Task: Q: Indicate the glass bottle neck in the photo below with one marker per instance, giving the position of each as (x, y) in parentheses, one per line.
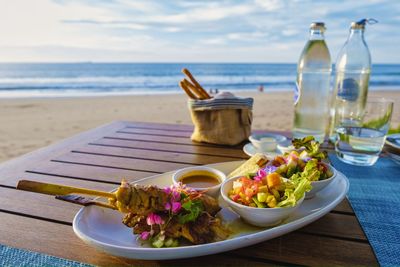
(356, 35)
(316, 34)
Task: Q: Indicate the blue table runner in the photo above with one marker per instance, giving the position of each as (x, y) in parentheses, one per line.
(18, 257)
(374, 195)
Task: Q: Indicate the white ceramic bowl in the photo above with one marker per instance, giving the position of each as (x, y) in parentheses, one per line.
(319, 185)
(212, 191)
(263, 217)
(266, 141)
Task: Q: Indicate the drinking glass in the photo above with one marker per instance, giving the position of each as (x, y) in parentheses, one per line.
(360, 135)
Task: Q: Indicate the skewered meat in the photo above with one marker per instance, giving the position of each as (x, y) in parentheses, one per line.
(141, 202)
(146, 199)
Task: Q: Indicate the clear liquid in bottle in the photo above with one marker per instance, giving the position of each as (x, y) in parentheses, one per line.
(311, 110)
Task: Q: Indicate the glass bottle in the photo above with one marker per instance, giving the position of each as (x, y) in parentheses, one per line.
(311, 108)
(353, 68)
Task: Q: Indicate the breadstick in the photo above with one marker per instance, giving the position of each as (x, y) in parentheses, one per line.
(195, 83)
(194, 89)
(187, 90)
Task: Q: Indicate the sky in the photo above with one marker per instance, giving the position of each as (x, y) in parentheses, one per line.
(187, 31)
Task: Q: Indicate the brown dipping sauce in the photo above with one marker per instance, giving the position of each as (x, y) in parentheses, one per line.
(200, 180)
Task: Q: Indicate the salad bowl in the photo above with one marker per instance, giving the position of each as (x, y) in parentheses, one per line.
(317, 186)
(262, 217)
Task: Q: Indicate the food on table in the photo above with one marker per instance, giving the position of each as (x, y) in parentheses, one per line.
(252, 165)
(162, 216)
(268, 189)
(283, 180)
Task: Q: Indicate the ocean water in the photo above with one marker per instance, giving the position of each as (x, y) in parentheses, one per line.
(78, 79)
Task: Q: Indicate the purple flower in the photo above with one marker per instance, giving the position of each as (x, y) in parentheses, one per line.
(307, 159)
(153, 218)
(176, 207)
(145, 235)
(167, 206)
(270, 169)
(168, 190)
(176, 196)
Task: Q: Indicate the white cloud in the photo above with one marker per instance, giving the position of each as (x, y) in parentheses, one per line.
(214, 41)
(228, 30)
(270, 5)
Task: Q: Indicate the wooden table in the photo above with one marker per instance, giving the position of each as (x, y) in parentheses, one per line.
(101, 157)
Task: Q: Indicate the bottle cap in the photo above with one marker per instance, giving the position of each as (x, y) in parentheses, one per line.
(361, 23)
(317, 25)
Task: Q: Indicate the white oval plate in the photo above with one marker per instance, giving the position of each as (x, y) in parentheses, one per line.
(103, 228)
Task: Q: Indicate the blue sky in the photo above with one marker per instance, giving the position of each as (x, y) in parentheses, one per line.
(186, 31)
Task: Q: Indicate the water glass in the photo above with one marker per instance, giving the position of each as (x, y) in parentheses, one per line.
(360, 136)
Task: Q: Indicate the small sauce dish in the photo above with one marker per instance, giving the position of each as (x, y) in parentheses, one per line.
(266, 141)
(201, 179)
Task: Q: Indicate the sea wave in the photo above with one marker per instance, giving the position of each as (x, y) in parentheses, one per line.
(153, 78)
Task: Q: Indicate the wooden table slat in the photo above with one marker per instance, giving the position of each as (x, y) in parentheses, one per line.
(157, 146)
(166, 139)
(159, 156)
(159, 126)
(157, 132)
(85, 172)
(120, 163)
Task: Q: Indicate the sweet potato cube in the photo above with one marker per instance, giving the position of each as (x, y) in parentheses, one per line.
(273, 180)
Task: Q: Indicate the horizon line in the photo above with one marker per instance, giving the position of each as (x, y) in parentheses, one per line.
(161, 62)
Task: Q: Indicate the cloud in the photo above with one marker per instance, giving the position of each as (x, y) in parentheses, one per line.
(270, 5)
(227, 30)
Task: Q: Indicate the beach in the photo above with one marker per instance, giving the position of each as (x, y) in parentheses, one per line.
(32, 123)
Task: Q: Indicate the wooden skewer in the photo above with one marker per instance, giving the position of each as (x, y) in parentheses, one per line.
(195, 83)
(84, 201)
(194, 89)
(187, 90)
(55, 189)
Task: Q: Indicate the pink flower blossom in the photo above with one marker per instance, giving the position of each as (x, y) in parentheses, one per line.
(176, 207)
(168, 190)
(176, 196)
(261, 173)
(167, 206)
(153, 218)
(257, 178)
(145, 235)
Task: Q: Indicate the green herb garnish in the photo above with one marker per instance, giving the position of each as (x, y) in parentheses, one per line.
(193, 210)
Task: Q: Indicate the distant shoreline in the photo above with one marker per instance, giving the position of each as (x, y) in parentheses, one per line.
(37, 94)
(58, 80)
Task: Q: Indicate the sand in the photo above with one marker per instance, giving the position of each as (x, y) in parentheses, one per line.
(31, 123)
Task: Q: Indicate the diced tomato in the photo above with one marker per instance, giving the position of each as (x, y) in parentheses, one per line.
(235, 197)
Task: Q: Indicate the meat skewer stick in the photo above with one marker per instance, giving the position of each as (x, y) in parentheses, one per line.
(84, 201)
(60, 190)
(187, 90)
(195, 83)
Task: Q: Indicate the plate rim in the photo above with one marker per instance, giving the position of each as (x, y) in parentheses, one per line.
(147, 253)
